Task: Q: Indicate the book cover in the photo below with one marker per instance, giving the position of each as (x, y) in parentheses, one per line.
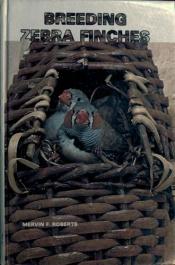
(88, 132)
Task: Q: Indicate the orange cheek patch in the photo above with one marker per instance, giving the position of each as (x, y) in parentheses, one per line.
(68, 119)
(97, 122)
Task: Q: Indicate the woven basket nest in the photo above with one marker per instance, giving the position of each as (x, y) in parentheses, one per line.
(88, 214)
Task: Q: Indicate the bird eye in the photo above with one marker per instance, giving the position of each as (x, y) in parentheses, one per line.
(78, 99)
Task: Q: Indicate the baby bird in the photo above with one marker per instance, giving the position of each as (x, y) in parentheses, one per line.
(67, 100)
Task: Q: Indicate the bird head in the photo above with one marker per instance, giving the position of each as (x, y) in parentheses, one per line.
(70, 97)
(65, 98)
(83, 115)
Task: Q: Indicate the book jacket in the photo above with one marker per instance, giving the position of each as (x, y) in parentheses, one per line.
(87, 132)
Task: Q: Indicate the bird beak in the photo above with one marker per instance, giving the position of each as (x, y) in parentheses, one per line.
(82, 117)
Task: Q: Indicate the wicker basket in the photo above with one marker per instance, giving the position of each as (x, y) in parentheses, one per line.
(74, 213)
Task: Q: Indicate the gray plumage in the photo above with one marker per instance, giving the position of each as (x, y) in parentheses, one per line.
(88, 137)
(54, 122)
(72, 152)
(93, 136)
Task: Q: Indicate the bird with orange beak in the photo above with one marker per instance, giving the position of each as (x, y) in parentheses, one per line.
(89, 132)
(66, 101)
(82, 125)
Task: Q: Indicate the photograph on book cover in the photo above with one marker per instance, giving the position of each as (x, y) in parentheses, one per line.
(89, 133)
